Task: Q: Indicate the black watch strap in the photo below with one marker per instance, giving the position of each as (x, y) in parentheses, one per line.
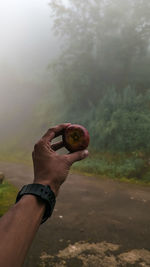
(44, 192)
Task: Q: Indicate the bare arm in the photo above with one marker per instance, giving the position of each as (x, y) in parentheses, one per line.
(17, 230)
(20, 224)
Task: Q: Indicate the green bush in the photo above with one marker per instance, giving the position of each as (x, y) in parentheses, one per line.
(117, 167)
(120, 122)
(8, 193)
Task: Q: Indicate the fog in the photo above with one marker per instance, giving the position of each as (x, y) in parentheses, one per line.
(99, 76)
(26, 39)
(27, 48)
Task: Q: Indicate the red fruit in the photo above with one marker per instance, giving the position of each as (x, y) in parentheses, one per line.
(76, 137)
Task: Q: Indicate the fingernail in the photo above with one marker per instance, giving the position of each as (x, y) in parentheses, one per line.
(67, 124)
(86, 153)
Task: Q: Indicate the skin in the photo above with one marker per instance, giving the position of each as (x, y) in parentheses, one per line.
(20, 224)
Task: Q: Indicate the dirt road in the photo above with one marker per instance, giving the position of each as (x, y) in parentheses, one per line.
(96, 222)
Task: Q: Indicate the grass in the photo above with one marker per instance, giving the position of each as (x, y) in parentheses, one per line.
(133, 167)
(8, 193)
(16, 157)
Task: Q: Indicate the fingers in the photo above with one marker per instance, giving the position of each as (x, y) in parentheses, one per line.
(55, 131)
(57, 145)
(76, 156)
(39, 147)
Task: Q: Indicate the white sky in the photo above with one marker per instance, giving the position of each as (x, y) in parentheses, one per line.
(25, 32)
(27, 46)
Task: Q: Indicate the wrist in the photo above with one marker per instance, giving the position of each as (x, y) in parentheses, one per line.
(33, 202)
(41, 192)
(34, 199)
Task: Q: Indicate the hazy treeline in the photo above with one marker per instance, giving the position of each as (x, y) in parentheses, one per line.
(102, 75)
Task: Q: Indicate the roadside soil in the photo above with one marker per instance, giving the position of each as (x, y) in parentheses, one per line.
(96, 222)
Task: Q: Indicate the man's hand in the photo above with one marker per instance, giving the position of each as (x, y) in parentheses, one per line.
(51, 168)
(20, 224)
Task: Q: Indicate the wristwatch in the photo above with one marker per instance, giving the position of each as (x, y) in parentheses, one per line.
(43, 192)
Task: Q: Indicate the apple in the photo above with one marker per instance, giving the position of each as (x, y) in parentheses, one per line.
(76, 137)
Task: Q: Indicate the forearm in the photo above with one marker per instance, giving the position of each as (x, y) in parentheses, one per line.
(18, 228)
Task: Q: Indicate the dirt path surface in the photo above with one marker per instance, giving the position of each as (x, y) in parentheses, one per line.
(95, 223)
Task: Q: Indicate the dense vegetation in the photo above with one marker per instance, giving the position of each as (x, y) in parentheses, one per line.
(103, 77)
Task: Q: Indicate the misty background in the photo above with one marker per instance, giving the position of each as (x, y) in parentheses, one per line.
(85, 62)
(27, 48)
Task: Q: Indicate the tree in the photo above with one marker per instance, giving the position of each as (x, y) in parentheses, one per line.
(107, 42)
(105, 46)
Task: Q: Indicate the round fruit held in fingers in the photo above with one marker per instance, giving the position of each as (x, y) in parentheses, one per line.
(76, 137)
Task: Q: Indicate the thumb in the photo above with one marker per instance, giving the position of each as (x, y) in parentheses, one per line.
(76, 156)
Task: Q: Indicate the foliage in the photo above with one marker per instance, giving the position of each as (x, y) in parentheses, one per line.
(121, 122)
(118, 166)
(8, 194)
(106, 50)
(105, 43)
